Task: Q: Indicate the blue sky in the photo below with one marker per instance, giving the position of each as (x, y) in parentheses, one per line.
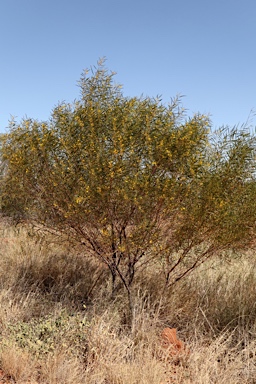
(202, 49)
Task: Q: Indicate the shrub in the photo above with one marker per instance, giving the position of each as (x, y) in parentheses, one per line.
(133, 180)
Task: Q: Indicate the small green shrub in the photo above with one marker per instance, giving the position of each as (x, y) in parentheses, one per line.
(43, 336)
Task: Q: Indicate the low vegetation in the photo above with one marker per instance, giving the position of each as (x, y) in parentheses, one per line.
(59, 323)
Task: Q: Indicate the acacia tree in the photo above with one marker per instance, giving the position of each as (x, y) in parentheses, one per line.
(132, 180)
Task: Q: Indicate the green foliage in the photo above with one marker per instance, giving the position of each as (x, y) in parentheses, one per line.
(131, 179)
(42, 336)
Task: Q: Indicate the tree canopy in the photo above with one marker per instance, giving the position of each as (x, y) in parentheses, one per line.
(132, 179)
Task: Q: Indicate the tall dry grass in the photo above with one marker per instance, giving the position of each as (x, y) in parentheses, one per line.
(59, 323)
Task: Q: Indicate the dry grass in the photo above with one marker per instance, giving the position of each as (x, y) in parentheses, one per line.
(59, 324)
(18, 365)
